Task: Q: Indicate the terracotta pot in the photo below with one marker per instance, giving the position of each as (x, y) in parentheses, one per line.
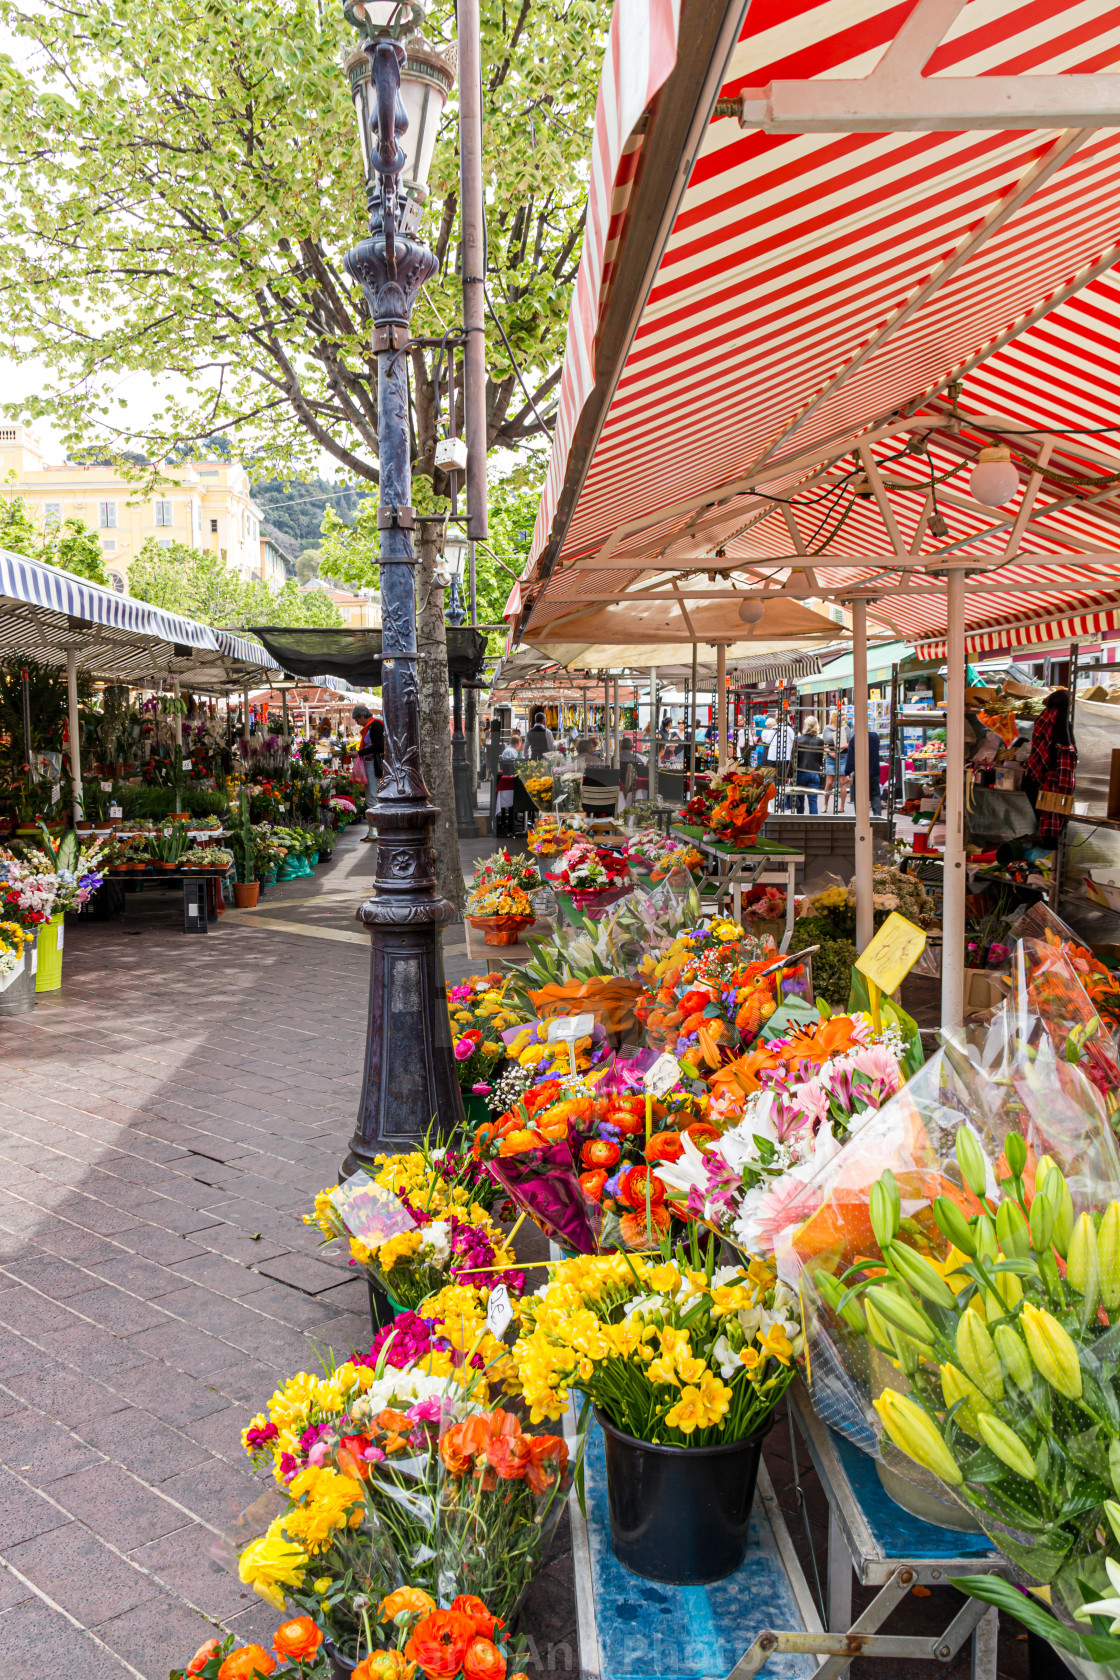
(245, 894)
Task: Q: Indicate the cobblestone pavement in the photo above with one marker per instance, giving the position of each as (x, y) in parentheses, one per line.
(164, 1122)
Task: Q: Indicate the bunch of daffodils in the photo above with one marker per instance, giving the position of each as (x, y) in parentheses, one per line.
(671, 1352)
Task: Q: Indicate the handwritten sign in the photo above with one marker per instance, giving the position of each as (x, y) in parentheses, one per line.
(662, 1076)
(106, 787)
(892, 953)
(499, 1312)
(115, 811)
(568, 1029)
(188, 763)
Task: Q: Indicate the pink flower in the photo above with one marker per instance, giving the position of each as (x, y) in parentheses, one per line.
(424, 1411)
(482, 1089)
(459, 994)
(373, 1455)
(464, 1049)
(877, 1062)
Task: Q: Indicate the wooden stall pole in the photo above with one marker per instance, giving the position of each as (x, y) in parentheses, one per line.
(721, 705)
(953, 901)
(865, 916)
(653, 736)
(691, 759)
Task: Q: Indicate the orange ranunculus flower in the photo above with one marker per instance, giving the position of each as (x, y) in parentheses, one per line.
(413, 1599)
(600, 1152)
(520, 1142)
(202, 1656)
(384, 1665)
(636, 1234)
(246, 1663)
(664, 1146)
(591, 1183)
(355, 1468)
(548, 1458)
(395, 1421)
(483, 1661)
(439, 1643)
(510, 1456)
(701, 1132)
(297, 1640)
(484, 1622)
(634, 1185)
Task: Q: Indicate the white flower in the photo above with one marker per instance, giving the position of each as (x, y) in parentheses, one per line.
(1105, 1606)
(688, 1173)
(437, 1241)
(726, 1357)
(436, 1154)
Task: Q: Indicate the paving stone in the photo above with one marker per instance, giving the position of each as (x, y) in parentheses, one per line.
(176, 1399)
(214, 1271)
(157, 1635)
(80, 1573)
(216, 1491)
(41, 1641)
(300, 1272)
(67, 1396)
(182, 1560)
(119, 1311)
(116, 1506)
(42, 1451)
(144, 1445)
(24, 1513)
(137, 1276)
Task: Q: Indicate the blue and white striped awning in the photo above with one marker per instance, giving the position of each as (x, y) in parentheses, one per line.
(34, 585)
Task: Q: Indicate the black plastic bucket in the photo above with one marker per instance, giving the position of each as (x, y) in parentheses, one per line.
(680, 1514)
(341, 1667)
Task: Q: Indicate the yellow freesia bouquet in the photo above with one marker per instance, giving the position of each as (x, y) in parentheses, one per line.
(669, 1349)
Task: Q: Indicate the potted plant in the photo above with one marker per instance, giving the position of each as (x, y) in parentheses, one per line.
(683, 1430)
(168, 847)
(243, 844)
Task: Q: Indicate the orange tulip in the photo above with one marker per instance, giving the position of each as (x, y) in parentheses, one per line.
(484, 1622)
(509, 1455)
(297, 1640)
(483, 1661)
(439, 1643)
(414, 1600)
(202, 1656)
(246, 1662)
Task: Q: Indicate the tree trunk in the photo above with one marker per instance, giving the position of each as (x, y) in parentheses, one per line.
(435, 725)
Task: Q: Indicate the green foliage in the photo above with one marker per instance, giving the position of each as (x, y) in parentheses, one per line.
(200, 583)
(46, 686)
(242, 840)
(184, 180)
(832, 967)
(295, 506)
(71, 546)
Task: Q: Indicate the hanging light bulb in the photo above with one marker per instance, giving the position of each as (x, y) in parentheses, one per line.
(751, 612)
(995, 477)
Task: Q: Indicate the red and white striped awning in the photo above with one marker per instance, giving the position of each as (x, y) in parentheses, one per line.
(813, 290)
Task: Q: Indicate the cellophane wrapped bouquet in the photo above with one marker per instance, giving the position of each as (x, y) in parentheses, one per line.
(423, 1222)
(960, 1275)
(481, 1011)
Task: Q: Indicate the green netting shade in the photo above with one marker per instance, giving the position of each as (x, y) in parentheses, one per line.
(355, 655)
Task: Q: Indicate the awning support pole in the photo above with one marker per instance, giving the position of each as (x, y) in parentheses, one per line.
(865, 912)
(721, 704)
(953, 902)
(284, 708)
(653, 710)
(691, 760)
(75, 750)
(177, 731)
(615, 757)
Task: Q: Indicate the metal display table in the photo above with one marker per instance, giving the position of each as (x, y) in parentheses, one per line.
(201, 888)
(883, 1546)
(633, 1629)
(730, 869)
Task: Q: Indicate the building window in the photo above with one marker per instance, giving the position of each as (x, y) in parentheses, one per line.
(164, 542)
(109, 545)
(117, 582)
(163, 513)
(52, 513)
(107, 515)
(214, 527)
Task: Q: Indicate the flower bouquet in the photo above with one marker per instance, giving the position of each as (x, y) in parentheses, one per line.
(502, 910)
(297, 1654)
(13, 939)
(683, 1365)
(412, 1249)
(504, 866)
(963, 1305)
(551, 835)
(709, 992)
(27, 895)
(480, 1012)
(743, 807)
(593, 875)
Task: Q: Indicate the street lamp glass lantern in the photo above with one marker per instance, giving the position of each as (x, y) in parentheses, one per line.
(427, 77)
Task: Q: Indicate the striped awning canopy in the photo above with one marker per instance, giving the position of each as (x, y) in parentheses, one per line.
(894, 247)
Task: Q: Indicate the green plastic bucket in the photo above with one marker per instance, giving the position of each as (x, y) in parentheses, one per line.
(48, 976)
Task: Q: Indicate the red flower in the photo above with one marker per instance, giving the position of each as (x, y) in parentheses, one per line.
(664, 1146)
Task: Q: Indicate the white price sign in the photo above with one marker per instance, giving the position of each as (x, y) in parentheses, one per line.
(498, 1310)
(115, 811)
(188, 763)
(662, 1076)
(106, 787)
(56, 793)
(568, 1029)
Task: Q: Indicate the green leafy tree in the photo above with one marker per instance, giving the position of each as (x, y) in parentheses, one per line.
(71, 546)
(200, 583)
(184, 180)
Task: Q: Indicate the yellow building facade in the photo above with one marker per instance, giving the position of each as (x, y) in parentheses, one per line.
(205, 504)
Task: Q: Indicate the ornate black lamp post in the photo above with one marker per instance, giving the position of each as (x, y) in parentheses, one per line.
(409, 1077)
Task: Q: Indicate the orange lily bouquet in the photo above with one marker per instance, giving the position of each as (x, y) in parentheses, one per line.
(743, 808)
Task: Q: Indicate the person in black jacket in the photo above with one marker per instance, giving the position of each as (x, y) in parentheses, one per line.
(872, 769)
(371, 749)
(809, 749)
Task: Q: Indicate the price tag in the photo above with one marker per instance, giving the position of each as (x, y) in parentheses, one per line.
(662, 1076)
(56, 793)
(498, 1310)
(890, 956)
(115, 811)
(567, 1029)
(188, 763)
(106, 787)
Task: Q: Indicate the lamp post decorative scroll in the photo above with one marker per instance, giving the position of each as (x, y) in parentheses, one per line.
(409, 1076)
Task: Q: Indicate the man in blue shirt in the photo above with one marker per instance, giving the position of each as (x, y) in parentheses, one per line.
(872, 767)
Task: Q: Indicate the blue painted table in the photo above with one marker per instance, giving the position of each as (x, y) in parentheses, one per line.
(631, 1628)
